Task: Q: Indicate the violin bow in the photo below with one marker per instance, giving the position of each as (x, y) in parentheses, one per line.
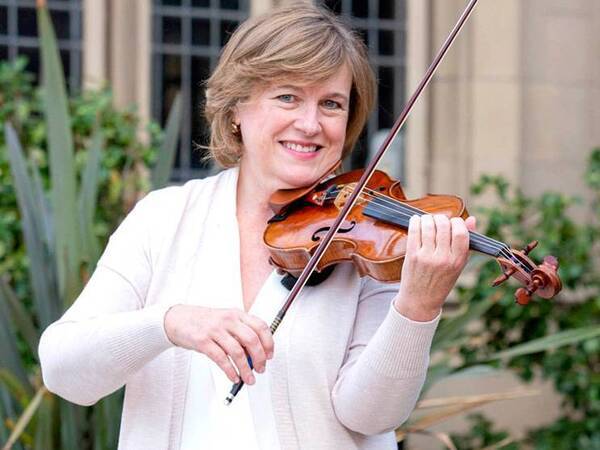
(349, 204)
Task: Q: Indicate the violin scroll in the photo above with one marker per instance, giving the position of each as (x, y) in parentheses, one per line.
(542, 280)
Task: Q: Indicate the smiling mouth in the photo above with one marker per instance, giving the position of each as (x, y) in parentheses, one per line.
(301, 148)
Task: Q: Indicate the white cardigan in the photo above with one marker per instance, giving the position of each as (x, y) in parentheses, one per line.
(348, 373)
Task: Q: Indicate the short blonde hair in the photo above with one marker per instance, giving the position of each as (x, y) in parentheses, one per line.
(301, 41)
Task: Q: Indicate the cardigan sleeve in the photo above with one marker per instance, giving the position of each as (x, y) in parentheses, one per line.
(109, 332)
(385, 364)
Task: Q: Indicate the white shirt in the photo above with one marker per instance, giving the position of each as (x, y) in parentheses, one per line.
(248, 422)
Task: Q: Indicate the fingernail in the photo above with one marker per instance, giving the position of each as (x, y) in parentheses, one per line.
(252, 380)
(260, 369)
(270, 355)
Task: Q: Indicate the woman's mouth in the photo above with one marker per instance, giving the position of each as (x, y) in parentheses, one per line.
(300, 148)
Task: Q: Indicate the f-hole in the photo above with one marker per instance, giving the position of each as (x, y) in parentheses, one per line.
(324, 230)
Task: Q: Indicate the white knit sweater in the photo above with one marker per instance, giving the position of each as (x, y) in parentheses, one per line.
(349, 371)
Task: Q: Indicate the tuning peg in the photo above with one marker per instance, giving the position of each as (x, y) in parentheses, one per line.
(530, 246)
(523, 296)
(502, 278)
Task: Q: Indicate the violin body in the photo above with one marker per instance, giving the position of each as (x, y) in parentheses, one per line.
(376, 248)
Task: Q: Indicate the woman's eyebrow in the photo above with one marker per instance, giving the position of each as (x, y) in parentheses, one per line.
(286, 86)
(337, 94)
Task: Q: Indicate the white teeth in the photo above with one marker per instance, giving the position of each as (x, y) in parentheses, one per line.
(300, 148)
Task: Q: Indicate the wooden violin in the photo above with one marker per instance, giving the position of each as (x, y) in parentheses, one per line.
(374, 233)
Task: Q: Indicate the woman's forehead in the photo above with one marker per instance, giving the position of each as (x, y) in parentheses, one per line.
(340, 80)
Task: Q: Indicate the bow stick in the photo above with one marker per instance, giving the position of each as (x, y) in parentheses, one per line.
(324, 244)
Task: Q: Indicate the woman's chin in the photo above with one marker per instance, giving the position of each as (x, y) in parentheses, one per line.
(301, 179)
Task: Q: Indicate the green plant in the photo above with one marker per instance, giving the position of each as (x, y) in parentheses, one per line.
(74, 150)
(483, 436)
(558, 339)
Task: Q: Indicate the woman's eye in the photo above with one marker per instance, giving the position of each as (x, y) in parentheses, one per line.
(331, 104)
(286, 98)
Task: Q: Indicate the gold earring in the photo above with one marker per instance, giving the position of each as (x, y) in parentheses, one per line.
(235, 128)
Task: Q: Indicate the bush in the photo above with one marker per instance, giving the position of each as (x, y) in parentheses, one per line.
(124, 174)
(109, 162)
(574, 369)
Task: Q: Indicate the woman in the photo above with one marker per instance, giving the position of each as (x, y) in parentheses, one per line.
(184, 290)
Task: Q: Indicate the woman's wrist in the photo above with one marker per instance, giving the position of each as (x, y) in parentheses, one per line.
(415, 310)
(169, 322)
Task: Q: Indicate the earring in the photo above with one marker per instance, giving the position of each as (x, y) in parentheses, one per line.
(235, 128)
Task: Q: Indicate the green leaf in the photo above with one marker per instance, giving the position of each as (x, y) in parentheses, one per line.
(61, 159)
(71, 417)
(21, 392)
(166, 155)
(549, 342)
(88, 200)
(453, 327)
(10, 359)
(21, 319)
(33, 223)
(478, 370)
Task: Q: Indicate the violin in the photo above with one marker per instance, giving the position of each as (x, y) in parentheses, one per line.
(374, 233)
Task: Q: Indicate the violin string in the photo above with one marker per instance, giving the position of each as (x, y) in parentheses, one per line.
(479, 238)
(482, 240)
(476, 237)
(399, 208)
(403, 207)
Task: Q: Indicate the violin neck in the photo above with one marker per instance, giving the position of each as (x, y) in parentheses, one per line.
(401, 213)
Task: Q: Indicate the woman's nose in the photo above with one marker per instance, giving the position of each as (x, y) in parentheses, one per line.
(309, 121)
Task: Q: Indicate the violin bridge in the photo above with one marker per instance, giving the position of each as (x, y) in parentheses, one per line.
(344, 193)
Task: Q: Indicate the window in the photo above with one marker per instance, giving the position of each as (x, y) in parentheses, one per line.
(187, 38)
(18, 34)
(382, 25)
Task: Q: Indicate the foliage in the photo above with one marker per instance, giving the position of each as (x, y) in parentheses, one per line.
(558, 339)
(482, 435)
(52, 227)
(575, 370)
(123, 175)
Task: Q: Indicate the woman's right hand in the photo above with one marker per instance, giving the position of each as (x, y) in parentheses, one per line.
(221, 334)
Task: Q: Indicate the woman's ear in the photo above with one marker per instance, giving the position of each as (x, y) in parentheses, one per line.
(235, 115)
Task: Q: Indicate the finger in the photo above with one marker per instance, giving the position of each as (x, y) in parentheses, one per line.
(413, 241)
(471, 223)
(442, 233)
(251, 343)
(263, 331)
(460, 237)
(427, 233)
(219, 357)
(236, 352)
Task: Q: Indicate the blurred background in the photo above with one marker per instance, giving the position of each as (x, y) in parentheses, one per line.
(509, 122)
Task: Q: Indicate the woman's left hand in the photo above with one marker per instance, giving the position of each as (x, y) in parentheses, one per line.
(437, 249)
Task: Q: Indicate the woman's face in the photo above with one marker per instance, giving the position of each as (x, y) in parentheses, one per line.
(291, 132)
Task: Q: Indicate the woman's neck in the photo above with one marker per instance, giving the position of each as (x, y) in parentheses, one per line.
(253, 197)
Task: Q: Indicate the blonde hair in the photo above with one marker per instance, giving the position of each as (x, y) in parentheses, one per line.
(301, 41)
